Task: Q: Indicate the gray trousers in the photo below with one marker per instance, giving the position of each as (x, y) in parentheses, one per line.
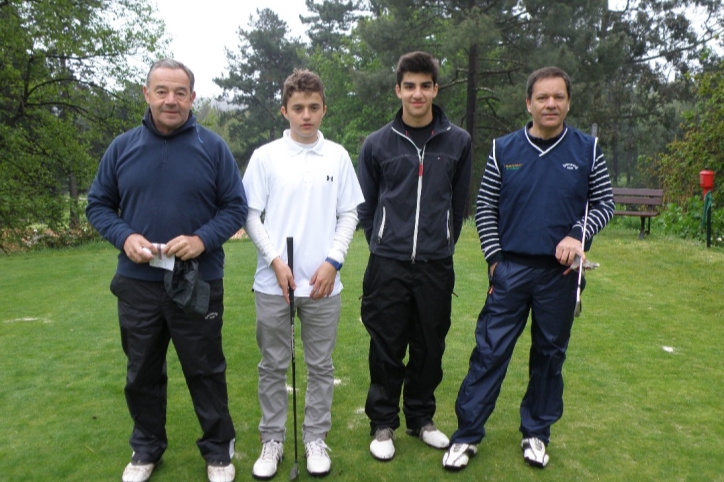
(317, 320)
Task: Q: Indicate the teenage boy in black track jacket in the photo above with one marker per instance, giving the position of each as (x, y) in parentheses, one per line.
(415, 176)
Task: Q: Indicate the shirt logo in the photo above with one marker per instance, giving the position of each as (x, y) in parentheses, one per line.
(513, 167)
(570, 167)
(330, 178)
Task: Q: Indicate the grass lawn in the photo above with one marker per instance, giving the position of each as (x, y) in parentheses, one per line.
(644, 375)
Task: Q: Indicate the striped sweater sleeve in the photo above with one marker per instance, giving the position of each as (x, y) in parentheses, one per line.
(486, 212)
(600, 198)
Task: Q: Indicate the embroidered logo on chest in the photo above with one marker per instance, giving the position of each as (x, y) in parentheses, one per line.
(513, 167)
(570, 167)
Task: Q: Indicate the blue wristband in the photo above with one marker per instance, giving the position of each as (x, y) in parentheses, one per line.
(337, 265)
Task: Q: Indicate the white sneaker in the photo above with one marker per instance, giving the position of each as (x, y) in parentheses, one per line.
(318, 462)
(534, 452)
(220, 472)
(382, 447)
(458, 456)
(266, 465)
(137, 472)
(431, 436)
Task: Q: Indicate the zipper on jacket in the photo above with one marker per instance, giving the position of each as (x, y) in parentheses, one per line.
(447, 226)
(382, 226)
(420, 169)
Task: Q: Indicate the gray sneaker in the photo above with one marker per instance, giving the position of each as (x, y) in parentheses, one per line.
(382, 447)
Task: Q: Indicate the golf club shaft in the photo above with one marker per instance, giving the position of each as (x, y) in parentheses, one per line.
(290, 258)
(577, 310)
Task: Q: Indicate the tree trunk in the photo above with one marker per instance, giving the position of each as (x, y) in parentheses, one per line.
(74, 220)
(470, 113)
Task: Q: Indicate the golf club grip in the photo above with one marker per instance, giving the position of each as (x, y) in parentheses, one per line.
(290, 253)
(290, 263)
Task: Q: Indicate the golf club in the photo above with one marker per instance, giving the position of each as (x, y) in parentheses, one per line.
(294, 473)
(577, 310)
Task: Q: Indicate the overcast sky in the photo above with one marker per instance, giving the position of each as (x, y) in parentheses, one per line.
(201, 30)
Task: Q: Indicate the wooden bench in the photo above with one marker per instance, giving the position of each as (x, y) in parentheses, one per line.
(642, 202)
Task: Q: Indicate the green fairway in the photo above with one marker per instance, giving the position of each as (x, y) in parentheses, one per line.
(644, 374)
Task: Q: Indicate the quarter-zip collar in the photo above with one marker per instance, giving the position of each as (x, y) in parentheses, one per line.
(149, 124)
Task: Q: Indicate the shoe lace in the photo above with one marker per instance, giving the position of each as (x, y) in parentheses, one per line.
(430, 427)
(317, 448)
(537, 444)
(270, 450)
(383, 434)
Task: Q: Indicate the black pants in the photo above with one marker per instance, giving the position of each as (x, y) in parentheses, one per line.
(405, 305)
(149, 320)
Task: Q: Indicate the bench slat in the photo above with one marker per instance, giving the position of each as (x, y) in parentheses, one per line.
(642, 214)
(648, 201)
(624, 191)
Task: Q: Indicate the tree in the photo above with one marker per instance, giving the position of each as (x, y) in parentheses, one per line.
(702, 145)
(61, 62)
(266, 56)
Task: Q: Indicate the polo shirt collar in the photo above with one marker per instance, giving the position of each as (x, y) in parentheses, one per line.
(294, 148)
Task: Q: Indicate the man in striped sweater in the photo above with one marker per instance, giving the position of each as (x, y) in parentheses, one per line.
(539, 185)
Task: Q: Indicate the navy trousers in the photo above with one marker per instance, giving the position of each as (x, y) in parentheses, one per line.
(149, 320)
(405, 305)
(515, 291)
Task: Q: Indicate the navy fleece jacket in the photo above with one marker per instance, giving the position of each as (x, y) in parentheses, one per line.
(162, 186)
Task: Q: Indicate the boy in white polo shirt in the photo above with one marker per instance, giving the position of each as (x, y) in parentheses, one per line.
(307, 189)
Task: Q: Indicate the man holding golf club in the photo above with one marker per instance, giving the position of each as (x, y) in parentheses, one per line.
(307, 189)
(545, 189)
(415, 176)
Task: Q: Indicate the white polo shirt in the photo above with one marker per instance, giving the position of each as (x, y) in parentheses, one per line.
(301, 191)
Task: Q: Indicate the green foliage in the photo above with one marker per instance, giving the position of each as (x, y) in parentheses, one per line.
(266, 56)
(64, 75)
(687, 220)
(702, 145)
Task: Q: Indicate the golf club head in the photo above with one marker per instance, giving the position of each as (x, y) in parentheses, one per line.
(577, 311)
(294, 473)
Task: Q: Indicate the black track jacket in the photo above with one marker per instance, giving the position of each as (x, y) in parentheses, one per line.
(414, 199)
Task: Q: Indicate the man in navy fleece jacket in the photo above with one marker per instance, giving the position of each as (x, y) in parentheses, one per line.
(170, 182)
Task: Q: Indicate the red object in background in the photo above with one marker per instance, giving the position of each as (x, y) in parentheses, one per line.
(706, 181)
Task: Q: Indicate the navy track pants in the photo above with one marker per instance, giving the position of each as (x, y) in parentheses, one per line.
(515, 291)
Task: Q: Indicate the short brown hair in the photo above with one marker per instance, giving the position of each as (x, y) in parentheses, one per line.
(547, 73)
(302, 80)
(417, 63)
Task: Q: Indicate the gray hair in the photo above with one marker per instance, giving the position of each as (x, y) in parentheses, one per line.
(170, 64)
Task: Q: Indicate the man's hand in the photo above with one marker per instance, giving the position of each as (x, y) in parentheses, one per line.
(323, 281)
(138, 249)
(185, 247)
(285, 277)
(567, 250)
